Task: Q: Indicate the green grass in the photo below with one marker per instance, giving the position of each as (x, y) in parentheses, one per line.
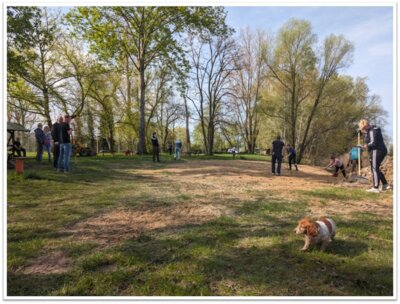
(251, 251)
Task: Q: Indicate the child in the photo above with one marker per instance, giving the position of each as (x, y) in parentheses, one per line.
(292, 157)
(338, 164)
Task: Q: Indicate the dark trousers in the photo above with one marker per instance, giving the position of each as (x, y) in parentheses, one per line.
(341, 168)
(276, 159)
(156, 153)
(19, 150)
(170, 151)
(377, 157)
(39, 151)
(56, 154)
(292, 159)
(354, 165)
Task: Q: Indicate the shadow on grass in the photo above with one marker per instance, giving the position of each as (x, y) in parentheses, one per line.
(34, 284)
(347, 248)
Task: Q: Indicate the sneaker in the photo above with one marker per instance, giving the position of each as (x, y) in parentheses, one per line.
(386, 187)
(373, 190)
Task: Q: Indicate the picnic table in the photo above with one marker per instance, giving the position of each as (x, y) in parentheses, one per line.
(13, 127)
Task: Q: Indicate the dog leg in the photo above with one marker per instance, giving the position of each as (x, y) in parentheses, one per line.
(323, 246)
(306, 244)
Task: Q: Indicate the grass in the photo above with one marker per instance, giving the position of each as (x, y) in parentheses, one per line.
(250, 251)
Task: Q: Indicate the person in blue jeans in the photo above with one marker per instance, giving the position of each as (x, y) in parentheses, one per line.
(65, 145)
(178, 149)
(47, 142)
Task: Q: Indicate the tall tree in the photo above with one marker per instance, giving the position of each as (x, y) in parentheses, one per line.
(292, 66)
(145, 35)
(337, 54)
(213, 62)
(39, 71)
(249, 78)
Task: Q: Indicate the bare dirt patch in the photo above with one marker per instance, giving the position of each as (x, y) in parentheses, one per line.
(55, 262)
(119, 225)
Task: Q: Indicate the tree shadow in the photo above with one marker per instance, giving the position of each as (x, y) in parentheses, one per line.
(34, 284)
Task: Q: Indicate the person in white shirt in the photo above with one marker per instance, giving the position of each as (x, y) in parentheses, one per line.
(338, 164)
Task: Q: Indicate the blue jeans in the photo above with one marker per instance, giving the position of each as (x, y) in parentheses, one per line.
(177, 153)
(63, 159)
(48, 149)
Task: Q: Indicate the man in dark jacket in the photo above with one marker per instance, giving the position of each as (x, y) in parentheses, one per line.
(40, 139)
(277, 149)
(377, 151)
(156, 147)
(55, 134)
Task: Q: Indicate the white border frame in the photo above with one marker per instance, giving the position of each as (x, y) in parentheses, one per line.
(146, 299)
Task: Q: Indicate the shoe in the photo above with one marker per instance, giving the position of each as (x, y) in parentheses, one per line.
(373, 190)
(386, 187)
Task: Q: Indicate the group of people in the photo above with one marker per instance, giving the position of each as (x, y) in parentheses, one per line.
(60, 135)
(277, 153)
(156, 148)
(375, 145)
(43, 141)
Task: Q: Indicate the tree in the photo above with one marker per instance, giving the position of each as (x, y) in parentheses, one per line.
(292, 66)
(250, 77)
(39, 71)
(337, 54)
(213, 62)
(20, 29)
(145, 35)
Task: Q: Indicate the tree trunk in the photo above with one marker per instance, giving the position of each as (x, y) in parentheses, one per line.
(142, 131)
(188, 147)
(90, 124)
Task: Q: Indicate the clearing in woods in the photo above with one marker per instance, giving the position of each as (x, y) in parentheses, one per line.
(126, 226)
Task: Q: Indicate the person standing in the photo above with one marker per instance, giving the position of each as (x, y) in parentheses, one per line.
(55, 134)
(47, 142)
(65, 145)
(178, 149)
(40, 139)
(277, 150)
(170, 148)
(377, 151)
(292, 157)
(156, 147)
(353, 158)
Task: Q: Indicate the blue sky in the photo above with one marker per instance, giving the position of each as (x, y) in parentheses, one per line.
(369, 28)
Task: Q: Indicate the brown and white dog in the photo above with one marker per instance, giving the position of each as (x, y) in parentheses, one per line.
(320, 232)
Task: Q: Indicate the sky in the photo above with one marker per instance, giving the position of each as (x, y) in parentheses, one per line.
(369, 28)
